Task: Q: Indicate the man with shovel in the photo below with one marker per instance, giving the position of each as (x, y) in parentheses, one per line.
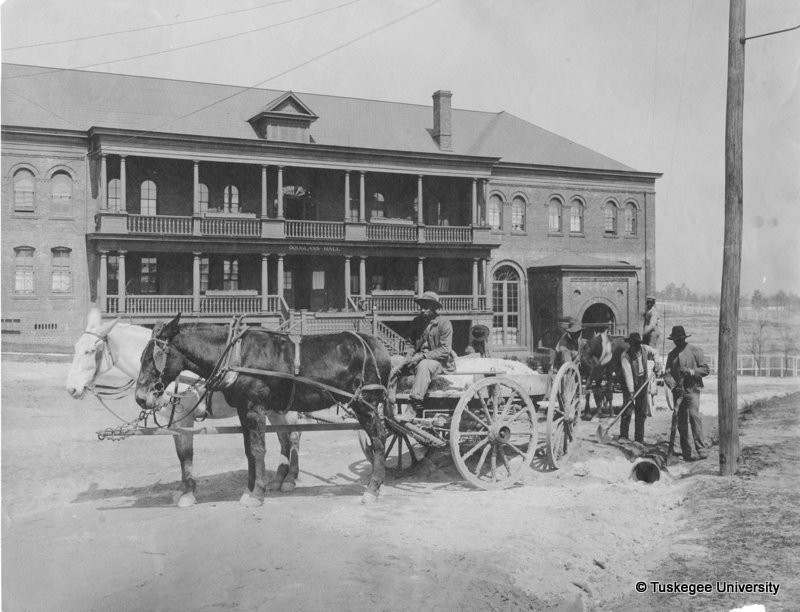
(636, 380)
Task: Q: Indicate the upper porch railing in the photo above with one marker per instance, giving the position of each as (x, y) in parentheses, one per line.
(241, 226)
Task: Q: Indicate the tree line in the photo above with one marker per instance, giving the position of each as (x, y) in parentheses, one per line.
(758, 299)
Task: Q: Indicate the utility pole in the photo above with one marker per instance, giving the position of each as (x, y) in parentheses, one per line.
(728, 415)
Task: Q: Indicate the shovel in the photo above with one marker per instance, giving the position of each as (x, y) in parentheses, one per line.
(602, 436)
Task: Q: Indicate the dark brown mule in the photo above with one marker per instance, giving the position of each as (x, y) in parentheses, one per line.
(353, 363)
(600, 364)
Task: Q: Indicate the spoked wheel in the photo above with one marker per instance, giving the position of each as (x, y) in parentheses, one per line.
(402, 452)
(493, 433)
(563, 413)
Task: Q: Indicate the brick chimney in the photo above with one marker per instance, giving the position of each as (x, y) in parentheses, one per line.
(442, 120)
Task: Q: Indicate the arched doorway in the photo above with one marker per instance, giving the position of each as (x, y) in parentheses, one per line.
(598, 317)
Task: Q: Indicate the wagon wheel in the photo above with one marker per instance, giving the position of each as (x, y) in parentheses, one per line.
(563, 413)
(493, 433)
(402, 452)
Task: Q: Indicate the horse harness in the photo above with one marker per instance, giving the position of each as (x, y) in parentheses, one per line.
(228, 367)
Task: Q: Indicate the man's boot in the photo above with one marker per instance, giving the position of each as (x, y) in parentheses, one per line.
(410, 410)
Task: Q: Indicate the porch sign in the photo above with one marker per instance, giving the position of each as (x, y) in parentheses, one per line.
(312, 248)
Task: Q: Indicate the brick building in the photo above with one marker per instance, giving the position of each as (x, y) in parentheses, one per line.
(309, 213)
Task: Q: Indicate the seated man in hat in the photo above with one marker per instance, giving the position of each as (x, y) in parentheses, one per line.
(432, 341)
(570, 343)
(686, 367)
(635, 374)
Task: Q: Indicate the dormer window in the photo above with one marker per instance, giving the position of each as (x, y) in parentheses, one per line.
(286, 119)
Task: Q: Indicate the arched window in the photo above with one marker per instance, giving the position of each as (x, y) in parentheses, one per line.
(149, 198)
(505, 300)
(23, 190)
(61, 193)
(23, 270)
(202, 196)
(231, 199)
(610, 218)
(61, 270)
(631, 219)
(517, 214)
(554, 216)
(114, 194)
(494, 213)
(576, 217)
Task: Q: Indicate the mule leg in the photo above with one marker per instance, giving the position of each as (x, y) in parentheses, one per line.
(376, 431)
(253, 419)
(184, 447)
(289, 467)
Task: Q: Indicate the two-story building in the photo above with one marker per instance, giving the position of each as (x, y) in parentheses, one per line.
(306, 212)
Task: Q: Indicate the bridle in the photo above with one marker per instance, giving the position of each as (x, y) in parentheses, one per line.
(161, 350)
(106, 356)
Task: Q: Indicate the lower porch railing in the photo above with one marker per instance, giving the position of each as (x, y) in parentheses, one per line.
(406, 303)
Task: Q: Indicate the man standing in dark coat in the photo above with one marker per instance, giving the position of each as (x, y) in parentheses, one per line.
(686, 367)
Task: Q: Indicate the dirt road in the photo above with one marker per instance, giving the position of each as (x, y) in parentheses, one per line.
(90, 525)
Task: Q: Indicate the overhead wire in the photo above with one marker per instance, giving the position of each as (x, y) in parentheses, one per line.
(288, 70)
(145, 28)
(197, 44)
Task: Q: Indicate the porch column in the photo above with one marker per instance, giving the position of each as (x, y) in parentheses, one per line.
(474, 201)
(475, 281)
(346, 282)
(485, 195)
(362, 202)
(362, 278)
(103, 183)
(102, 289)
(121, 282)
(264, 280)
(280, 192)
(196, 282)
(487, 284)
(196, 189)
(420, 276)
(263, 192)
(419, 200)
(280, 275)
(123, 181)
(347, 195)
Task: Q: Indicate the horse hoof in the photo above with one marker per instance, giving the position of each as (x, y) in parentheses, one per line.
(186, 500)
(287, 487)
(369, 497)
(275, 485)
(250, 501)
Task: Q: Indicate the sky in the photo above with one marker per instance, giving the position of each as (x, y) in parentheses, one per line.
(641, 81)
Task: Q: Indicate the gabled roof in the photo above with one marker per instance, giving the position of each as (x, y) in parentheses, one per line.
(570, 259)
(288, 104)
(51, 98)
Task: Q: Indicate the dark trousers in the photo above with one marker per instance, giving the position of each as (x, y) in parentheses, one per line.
(639, 410)
(689, 416)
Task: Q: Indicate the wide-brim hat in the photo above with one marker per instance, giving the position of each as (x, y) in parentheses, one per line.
(429, 297)
(650, 298)
(678, 332)
(634, 338)
(479, 332)
(570, 324)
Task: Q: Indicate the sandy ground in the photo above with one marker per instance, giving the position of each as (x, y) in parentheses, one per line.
(91, 525)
